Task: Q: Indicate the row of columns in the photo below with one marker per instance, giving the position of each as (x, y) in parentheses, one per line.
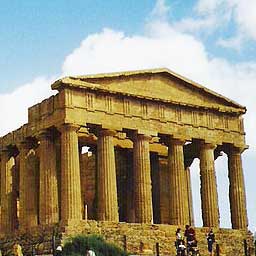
(107, 208)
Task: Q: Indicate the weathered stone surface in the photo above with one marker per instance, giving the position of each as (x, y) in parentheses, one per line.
(210, 209)
(48, 184)
(53, 182)
(142, 179)
(107, 208)
(237, 190)
(70, 175)
(179, 212)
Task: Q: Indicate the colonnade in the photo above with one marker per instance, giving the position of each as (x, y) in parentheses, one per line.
(62, 202)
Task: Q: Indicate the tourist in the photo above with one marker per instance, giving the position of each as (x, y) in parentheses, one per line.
(90, 252)
(192, 242)
(59, 250)
(186, 232)
(210, 241)
(180, 243)
(17, 250)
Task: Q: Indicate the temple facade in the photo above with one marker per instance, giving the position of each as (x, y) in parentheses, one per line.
(118, 147)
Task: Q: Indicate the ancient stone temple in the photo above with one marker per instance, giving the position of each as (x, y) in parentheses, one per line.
(117, 148)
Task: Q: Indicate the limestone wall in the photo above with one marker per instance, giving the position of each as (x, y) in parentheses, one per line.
(230, 241)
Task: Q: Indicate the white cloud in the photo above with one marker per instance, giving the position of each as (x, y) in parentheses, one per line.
(160, 11)
(233, 42)
(13, 106)
(241, 13)
(197, 24)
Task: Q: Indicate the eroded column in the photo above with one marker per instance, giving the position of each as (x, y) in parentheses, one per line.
(142, 179)
(237, 190)
(8, 207)
(48, 185)
(23, 153)
(179, 214)
(209, 196)
(70, 175)
(189, 196)
(107, 209)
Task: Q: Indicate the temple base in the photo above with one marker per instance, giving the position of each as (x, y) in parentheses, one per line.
(131, 236)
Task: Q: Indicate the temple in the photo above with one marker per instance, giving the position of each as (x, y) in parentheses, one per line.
(118, 147)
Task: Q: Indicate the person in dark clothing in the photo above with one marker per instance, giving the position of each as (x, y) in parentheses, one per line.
(210, 241)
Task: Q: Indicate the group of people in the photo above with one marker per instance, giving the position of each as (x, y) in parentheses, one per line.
(186, 244)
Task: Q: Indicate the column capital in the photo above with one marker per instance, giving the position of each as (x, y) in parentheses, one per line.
(137, 136)
(68, 127)
(4, 151)
(44, 134)
(235, 150)
(207, 145)
(24, 145)
(169, 140)
(107, 132)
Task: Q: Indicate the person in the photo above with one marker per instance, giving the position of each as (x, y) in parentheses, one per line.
(210, 241)
(90, 252)
(17, 250)
(192, 242)
(179, 243)
(59, 250)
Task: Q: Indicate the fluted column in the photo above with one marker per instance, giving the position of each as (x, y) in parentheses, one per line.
(70, 175)
(107, 209)
(23, 215)
(8, 219)
(209, 196)
(48, 186)
(142, 179)
(164, 191)
(237, 190)
(190, 197)
(179, 214)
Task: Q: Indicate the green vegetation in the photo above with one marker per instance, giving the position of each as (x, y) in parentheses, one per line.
(77, 246)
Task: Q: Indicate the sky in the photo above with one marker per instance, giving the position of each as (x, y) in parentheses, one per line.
(212, 42)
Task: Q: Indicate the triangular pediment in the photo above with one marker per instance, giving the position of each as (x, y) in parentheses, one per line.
(156, 84)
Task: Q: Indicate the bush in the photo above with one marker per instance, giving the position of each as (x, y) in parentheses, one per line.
(77, 246)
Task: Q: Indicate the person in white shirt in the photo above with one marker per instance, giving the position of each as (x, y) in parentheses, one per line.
(90, 253)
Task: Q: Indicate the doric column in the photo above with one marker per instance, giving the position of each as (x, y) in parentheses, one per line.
(142, 179)
(179, 214)
(8, 207)
(209, 197)
(237, 190)
(70, 175)
(107, 209)
(164, 191)
(23, 153)
(48, 185)
(190, 197)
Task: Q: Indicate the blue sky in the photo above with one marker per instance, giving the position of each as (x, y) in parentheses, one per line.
(210, 41)
(33, 31)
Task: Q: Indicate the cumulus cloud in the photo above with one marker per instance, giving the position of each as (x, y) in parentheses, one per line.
(162, 45)
(14, 105)
(241, 13)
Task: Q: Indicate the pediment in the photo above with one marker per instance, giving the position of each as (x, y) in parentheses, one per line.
(157, 84)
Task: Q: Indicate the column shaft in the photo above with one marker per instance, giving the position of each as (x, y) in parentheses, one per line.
(23, 149)
(8, 208)
(190, 197)
(107, 187)
(209, 196)
(237, 191)
(179, 214)
(164, 191)
(70, 175)
(48, 185)
(142, 180)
